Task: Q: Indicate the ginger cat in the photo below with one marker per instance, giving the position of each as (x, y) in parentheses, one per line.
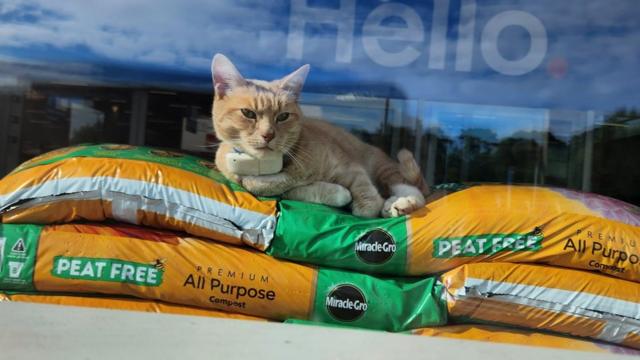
(322, 163)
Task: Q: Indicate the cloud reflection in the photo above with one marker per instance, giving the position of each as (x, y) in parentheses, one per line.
(596, 43)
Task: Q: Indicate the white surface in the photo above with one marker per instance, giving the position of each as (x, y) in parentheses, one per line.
(35, 331)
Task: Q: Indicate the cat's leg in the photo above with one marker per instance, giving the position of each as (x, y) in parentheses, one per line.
(320, 192)
(366, 200)
(270, 185)
(401, 182)
(404, 200)
(277, 184)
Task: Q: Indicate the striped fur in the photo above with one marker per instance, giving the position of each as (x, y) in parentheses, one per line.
(315, 151)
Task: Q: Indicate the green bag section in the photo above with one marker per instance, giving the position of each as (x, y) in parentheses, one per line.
(18, 244)
(322, 235)
(354, 299)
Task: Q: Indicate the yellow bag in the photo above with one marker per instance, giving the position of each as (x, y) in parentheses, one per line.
(122, 259)
(484, 223)
(565, 301)
(115, 303)
(137, 185)
(520, 337)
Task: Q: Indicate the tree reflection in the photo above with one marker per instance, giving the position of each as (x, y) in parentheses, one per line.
(616, 155)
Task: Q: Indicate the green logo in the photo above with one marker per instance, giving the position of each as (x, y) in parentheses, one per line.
(113, 270)
(477, 245)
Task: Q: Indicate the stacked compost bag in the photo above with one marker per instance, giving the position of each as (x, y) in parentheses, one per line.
(136, 228)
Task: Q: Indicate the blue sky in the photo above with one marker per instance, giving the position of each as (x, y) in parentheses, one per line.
(590, 60)
(504, 122)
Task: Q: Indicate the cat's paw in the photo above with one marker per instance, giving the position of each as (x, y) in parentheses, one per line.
(261, 185)
(401, 205)
(339, 197)
(368, 208)
(320, 192)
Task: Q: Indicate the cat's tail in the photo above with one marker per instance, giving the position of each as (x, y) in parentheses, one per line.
(410, 170)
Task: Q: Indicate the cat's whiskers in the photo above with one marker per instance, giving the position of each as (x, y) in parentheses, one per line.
(303, 157)
(294, 158)
(297, 151)
(294, 152)
(304, 154)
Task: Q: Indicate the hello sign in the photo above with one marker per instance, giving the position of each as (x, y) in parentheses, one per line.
(412, 36)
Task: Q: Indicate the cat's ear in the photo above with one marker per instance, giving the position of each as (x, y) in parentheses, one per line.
(295, 81)
(225, 75)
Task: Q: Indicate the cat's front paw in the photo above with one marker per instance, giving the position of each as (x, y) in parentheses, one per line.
(260, 185)
(401, 205)
(341, 196)
(368, 208)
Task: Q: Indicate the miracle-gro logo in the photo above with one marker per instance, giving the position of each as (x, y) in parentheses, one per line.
(375, 247)
(346, 303)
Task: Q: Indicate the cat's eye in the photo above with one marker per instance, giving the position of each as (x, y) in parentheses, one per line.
(248, 113)
(282, 117)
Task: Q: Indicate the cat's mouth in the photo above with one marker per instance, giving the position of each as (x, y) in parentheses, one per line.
(262, 150)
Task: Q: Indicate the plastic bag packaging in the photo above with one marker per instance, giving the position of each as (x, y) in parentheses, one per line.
(120, 259)
(137, 185)
(565, 301)
(486, 223)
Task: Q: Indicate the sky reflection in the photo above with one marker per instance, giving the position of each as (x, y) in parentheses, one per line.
(572, 54)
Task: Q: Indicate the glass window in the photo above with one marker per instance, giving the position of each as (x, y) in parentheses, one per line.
(52, 117)
(508, 91)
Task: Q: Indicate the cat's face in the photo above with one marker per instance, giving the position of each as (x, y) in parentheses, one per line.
(256, 116)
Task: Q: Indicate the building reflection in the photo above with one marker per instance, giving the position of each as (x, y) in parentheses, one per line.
(582, 150)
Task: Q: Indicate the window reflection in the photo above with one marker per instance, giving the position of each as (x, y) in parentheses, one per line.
(583, 150)
(487, 143)
(51, 117)
(507, 91)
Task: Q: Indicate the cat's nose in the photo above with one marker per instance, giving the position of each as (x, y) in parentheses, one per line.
(268, 136)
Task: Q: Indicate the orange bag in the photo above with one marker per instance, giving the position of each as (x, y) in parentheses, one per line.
(127, 260)
(561, 300)
(138, 185)
(484, 223)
